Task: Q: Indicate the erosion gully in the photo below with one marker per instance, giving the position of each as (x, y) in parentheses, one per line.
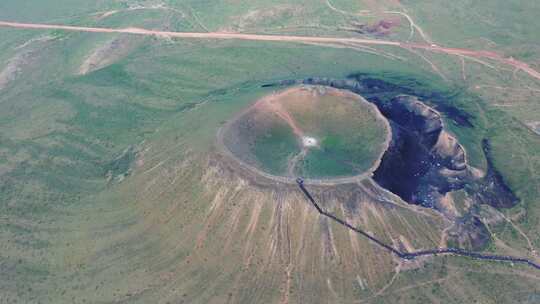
(413, 255)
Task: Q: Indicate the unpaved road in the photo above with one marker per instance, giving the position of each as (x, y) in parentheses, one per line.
(518, 65)
(211, 35)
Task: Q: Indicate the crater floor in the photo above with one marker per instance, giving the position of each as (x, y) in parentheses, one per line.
(310, 131)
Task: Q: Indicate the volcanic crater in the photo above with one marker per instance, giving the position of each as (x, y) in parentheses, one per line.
(317, 132)
(325, 131)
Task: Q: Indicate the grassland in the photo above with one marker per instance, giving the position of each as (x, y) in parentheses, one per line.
(107, 188)
(349, 134)
(274, 148)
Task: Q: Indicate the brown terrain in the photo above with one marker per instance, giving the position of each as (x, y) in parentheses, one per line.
(273, 232)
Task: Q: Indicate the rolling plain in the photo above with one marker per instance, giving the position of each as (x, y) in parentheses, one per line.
(115, 188)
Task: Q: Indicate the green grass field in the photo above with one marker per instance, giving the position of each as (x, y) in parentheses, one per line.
(274, 148)
(106, 182)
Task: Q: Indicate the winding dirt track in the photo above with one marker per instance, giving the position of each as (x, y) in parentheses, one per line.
(518, 65)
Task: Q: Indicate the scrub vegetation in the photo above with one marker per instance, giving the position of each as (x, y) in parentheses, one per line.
(112, 187)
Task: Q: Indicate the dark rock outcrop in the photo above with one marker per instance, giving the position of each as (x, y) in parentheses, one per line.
(492, 189)
(469, 232)
(424, 161)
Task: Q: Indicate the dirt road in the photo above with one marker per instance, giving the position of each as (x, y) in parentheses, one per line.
(518, 65)
(211, 35)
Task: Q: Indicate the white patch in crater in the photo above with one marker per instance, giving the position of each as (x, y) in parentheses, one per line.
(309, 141)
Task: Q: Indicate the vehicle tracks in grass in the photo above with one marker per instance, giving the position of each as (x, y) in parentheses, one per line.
(510, 61)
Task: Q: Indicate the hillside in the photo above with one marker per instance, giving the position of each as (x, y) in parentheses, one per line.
(418, 125)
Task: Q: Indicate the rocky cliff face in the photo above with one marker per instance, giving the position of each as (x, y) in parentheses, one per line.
(424, 162)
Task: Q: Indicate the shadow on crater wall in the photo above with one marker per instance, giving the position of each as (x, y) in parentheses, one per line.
(423, 162)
